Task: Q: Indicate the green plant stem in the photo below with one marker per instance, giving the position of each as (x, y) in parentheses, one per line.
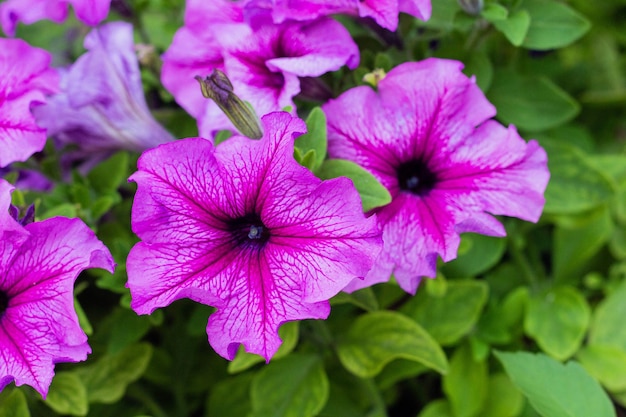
(522, 262)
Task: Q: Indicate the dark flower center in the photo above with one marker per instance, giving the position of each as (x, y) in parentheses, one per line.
(249, 230)
(415, 177)
(4, 302)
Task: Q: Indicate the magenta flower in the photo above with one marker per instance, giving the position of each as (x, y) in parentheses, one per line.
(426, 135)
(244, 228)
(38, 266)
(101, 107)
(12, 12)
(264, 64)
(384, 12)
(26, 78)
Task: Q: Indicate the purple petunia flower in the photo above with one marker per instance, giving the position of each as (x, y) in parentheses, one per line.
(264, 63)
(12, 12)
(26, 78)
(384, 12)
(246, 229)
(101, 107)
(426, 135)
(38, 265)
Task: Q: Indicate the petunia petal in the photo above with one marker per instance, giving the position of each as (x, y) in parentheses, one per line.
(40, 327)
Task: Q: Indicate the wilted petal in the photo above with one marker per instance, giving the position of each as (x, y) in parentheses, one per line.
(102, 107)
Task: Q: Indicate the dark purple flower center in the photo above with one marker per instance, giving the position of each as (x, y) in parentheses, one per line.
(249, 231)
(415, 177)
(4, 302)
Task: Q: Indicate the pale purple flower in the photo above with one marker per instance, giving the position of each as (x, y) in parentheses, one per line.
(263, 63)
(90, 12)
(26, 78)
(427, 137)
(384, 12)
(38, 266)
(246, 229)
(102, 107)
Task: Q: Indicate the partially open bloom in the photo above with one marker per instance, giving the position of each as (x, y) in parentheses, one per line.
(38, 266)
(12, 12)
(264, 62)
(426, 135)
(26, 78)
(246, 229)
(101, 107)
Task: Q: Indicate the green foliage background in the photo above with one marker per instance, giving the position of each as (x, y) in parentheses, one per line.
(527, 325)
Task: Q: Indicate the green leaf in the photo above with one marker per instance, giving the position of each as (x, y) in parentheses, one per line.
(399, 370)
(68, 395)
(364, 298)
(515, 27)
(373, 193)
(437, 408)
(466, 383)
(607, 326)
(126, 328)
(106, 380)
(231, 397)
(607, 364)
(377, 338)
(494, 11)
(554, 389)
(553, 25)
(316, 137)
(107, 176)
(13, 404)
(575, 185)
(530, 102)
(449, 317)
(288, 333)
(575, 246)
(83, 320)
(558, 320)
(504, 399)
(483, 253)
(63, 210)
(307, 159)
(222, 136)
(295, 386)
(479, 65)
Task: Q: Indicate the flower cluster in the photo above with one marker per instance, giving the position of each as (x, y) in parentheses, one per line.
(243, 226)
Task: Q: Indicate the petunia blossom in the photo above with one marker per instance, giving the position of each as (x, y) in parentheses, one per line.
(38, 324)
(426, 135)
(264, 62)
(101, 107)
(26, 79)
(246, 229)
(384, 12)
(90, 12)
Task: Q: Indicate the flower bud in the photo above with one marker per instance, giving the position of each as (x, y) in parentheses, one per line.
(218, 88)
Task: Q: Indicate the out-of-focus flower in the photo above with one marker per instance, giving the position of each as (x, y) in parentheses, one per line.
(384, 12)
(90, 12)
(427, 137)
(263, 63)
(26, 78)
(38, 265)
(101, 107)
(246, 229)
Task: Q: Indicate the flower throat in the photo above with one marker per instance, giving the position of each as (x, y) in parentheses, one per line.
(4, 302)
(415, 177)
(249, 230)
